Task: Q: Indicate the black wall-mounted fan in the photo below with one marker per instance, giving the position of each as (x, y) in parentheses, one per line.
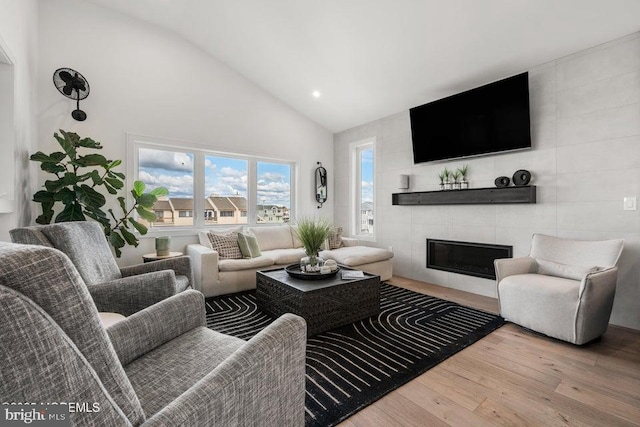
(73, 85)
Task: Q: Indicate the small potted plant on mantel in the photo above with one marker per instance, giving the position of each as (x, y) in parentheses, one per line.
(443, 175)
(447, 180)
(464, 172)
(456, 179)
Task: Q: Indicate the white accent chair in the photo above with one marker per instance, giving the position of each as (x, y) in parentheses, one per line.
(564, 289)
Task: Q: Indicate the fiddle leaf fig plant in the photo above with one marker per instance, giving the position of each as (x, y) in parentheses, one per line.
(78, 179)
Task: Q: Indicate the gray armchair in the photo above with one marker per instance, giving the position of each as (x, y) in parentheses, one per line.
(159, 367)
(563, 289)
(119, 290)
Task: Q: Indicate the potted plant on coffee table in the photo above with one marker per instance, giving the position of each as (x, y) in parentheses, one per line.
(312, 232)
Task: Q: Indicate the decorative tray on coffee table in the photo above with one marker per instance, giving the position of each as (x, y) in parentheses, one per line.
(294, 271)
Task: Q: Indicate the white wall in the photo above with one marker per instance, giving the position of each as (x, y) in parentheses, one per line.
(18, 133)
(148, 81)
(585, 112)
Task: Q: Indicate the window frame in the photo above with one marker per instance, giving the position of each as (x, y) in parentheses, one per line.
(355, 180)
(134, 142)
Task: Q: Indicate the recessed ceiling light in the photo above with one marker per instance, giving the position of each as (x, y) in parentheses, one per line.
(316, 94)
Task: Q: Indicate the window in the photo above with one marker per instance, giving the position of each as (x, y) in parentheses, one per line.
(274, 192)
(174, 171)
(234, 188)
(363, 188)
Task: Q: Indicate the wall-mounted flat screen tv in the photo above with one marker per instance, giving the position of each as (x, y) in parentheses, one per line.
(484, 120)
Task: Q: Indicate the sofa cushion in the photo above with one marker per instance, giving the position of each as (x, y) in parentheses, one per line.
(335, 239)
(297, 243)
(273, 237)
(354, 256)
(163, 374)
(244, 263)
(203, 235)
(226, 245)
(285, 256)
(575, 272)
(248, 245)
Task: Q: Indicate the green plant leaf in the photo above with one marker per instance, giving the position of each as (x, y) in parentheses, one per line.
(43, 197)
(146, 200)
(115, 182)
(92, 160)
(116, 241)
(54, 186)
(129, 237)
(89, 143)
(89, 197)
(65, 195)
(95, 177)
(71, 212)
(118, 174)
(138, 188)
(66, 142)
(159, 191)
(52, 158)
(123, 204)
(47, 213)
(142, 229)
(52, 167)
(146, 214)
(109, 188)
(114, 164)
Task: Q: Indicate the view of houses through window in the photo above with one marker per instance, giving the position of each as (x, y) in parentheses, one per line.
(228, 188)
(363, 181)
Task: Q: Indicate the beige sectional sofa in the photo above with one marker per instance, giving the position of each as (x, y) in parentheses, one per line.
(280, 247)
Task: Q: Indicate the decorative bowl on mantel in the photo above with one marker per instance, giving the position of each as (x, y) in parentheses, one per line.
(294, 271)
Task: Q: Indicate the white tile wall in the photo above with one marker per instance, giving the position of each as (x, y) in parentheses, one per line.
(585, 126)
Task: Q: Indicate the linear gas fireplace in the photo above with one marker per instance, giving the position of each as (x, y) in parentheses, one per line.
(473, 259)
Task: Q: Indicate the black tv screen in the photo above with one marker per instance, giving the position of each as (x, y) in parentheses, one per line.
(487, 119)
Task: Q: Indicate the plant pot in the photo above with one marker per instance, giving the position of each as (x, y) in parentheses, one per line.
(311, 264)
(456, 185)
(447, 186)
(441, 186)
(162, 245)
(464, 184)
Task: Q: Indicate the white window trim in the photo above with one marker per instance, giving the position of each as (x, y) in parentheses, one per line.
(355, 181)
(134, 142)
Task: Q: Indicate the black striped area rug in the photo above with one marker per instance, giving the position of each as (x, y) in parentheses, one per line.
(352, 366)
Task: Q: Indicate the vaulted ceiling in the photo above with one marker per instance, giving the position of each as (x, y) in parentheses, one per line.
(372, 58)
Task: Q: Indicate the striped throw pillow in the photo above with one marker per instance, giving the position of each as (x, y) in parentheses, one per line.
(248, 245)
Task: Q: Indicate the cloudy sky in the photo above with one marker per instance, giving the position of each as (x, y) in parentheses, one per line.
(223, 176)
(366, 169)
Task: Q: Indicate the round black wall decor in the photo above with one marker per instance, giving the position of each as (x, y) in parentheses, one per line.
(502, 181)
(521, 177)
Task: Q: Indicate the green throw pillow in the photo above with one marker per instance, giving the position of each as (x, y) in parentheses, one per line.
(248, 245)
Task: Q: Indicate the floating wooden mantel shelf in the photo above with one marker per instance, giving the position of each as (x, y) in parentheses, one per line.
(471, 196)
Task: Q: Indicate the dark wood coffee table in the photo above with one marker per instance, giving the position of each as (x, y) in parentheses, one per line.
(324, 304)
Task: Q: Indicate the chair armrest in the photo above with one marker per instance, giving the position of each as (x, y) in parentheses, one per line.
(599, 281)
(262, 383)
(131, 294)
(149, 328)
(597, 291)
(205, 267)
(511, 266)
(350, 241)
(181, 265)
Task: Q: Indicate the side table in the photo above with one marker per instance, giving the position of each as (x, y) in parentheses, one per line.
(153, 257)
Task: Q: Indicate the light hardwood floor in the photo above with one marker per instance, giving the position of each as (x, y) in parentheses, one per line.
(513, 377)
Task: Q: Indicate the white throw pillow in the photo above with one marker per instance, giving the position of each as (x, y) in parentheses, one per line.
(575, 272)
